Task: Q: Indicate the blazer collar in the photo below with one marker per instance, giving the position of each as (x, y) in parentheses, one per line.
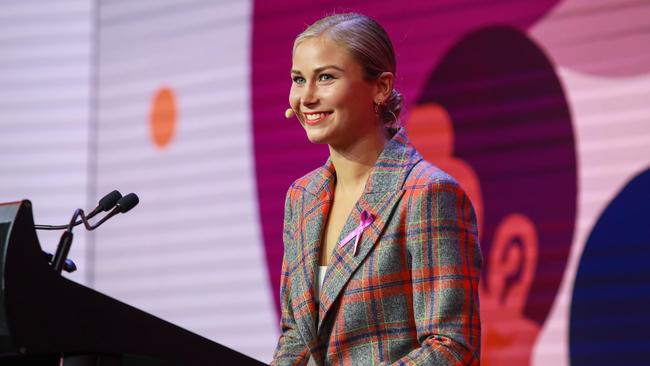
(388, 174)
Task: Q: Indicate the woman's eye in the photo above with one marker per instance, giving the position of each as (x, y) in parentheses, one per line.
(325, 77)
(298, 79)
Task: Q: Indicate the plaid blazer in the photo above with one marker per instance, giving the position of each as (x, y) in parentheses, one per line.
(410, 294)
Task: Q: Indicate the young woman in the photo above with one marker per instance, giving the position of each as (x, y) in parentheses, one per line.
(381, 258)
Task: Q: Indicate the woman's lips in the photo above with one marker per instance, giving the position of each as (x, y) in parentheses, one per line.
(315, 118)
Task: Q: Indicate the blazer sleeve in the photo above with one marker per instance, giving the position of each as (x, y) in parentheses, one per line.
(442, 240)
(291, 349)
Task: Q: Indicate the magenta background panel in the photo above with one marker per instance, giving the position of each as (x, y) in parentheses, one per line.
(421, 33)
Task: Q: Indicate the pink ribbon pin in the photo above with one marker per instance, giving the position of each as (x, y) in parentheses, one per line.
(364, 222)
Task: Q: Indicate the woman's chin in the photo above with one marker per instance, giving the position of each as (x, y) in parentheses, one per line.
(317, 136)
(317, 140)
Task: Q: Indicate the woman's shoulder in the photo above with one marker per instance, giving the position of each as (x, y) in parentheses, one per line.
(425, 175)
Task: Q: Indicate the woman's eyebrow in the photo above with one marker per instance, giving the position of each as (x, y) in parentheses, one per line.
(319, 69)
(323, 68)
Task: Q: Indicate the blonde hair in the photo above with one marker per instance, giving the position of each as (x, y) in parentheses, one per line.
(369, 44)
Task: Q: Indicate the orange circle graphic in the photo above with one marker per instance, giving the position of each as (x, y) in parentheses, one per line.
(162, 117)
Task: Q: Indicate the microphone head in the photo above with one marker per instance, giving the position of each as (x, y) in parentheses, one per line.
(127, 202)
(109, 201)
(289, 113)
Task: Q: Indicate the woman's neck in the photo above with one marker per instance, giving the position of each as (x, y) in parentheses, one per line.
(354, 163)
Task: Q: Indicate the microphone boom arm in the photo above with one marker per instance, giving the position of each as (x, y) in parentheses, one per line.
(123, 205)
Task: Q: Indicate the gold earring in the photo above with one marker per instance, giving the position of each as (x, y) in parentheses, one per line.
(394, 116)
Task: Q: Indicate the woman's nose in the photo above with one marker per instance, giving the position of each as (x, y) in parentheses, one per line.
(310, 95)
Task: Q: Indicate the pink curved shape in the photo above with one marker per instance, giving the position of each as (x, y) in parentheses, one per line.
(598, 37)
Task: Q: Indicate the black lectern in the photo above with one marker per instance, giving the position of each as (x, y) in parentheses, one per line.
(46, 319)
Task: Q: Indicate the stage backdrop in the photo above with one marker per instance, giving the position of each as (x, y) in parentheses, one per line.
(541, 109)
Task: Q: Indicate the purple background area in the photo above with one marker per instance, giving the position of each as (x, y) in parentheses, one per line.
(512, 125)
(421, 34)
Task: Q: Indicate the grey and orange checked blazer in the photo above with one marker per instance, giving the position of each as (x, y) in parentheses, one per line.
(410, 294)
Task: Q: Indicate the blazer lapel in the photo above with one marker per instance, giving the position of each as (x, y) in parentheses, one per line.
(344, 261)
(383, 191)
(315, 207)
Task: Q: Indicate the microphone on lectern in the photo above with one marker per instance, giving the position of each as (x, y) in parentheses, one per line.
(105, 203)
(122, 205)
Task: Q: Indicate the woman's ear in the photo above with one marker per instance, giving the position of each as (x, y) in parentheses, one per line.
(513, 261)
(384, 87)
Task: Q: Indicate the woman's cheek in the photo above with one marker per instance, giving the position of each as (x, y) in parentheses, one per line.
(343, 94)
(294, 98)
